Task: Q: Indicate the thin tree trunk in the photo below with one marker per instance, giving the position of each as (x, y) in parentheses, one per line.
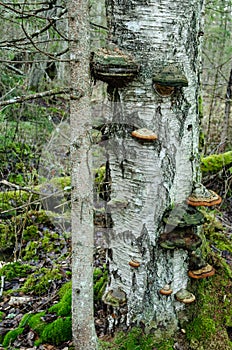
(81, 161)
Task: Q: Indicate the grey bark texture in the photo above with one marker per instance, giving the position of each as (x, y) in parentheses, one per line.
(82, 194)
(147, 178)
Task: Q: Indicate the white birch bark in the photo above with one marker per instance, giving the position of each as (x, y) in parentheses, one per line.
(150, 177)
(82, 196)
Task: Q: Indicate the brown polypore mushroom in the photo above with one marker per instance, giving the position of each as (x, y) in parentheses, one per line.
(166, 290)
(163, 91)
(203, 197)
(134, 263)
(144, 134)
(168, 79)
(184, 296)
(206, 271)
(113, 66)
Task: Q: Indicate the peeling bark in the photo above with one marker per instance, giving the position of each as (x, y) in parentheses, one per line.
(150, 176)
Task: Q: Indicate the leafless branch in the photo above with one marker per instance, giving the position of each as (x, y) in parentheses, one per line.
(21, 99)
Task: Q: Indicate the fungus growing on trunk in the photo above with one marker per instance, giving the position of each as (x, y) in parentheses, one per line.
(144, 134)
(196, 261)
(182, 216)
(184, 296)
(206, 271)
(115, 297)
(166, 290)
(201, 196)
(113, 67)
(168, 79)
(134, 263)
(180, 238)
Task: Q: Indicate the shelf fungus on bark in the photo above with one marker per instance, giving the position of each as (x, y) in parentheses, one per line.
(144, 134)
(206, 271)
(134, 263)
(196, 261)
(113, 67)
(166, 290)
(184, 296)
(180, 238)
(115, 298)
(201, 196)
(169, 78)
(117, 203)
(182, 216)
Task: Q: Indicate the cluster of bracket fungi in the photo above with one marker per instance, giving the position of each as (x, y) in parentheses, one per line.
(117, 68)
(180, 232)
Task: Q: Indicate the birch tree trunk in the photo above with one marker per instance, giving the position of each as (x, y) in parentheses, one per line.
(82, 196)
(149, 177)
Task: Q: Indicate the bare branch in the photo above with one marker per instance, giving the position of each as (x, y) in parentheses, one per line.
(21, 99)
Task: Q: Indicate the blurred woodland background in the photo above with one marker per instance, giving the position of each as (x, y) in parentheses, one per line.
(34, 145)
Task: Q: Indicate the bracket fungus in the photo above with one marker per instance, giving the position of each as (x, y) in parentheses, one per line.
(168, 79)
(116, 297)
(180, 238)
(134, 263)
(196, 261)
(201, 196)
(166, 290)
(182, 216)
(184, 296)
(113, 67)
(144, 134)
(206, 271)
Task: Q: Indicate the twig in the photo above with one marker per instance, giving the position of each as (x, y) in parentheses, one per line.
(21, 99)
(2, 285)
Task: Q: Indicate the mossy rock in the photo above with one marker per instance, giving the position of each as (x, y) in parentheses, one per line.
(39, 282)
(58, 331)
(12, 201)
(7, 236)
(63, 307)
(34, 321)
(15, 269)
(11, 336)
(216, 162)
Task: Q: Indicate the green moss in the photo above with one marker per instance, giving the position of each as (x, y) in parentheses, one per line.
(9, 200)
(30, 233)
(216, 162)
(7, 236)
(34, 321)
(63, 307)
(100, 281)
(136, 340)
(65, 288)
(30, 251)
(39, 282)
(11, 336)
(15, 269)
(1, 316)
(200, 328)
(58, 331)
